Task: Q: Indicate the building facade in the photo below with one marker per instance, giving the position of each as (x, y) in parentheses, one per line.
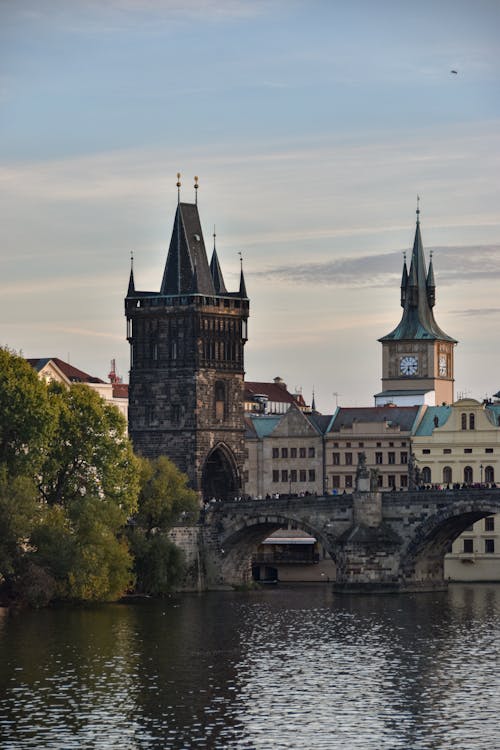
(187, 364)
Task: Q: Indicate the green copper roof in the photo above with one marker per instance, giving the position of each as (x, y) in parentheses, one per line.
(434, 416)
(417, 300)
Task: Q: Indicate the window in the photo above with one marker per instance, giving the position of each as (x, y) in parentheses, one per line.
(464, 421)
(348, 459)
(403, 481)
(276, 452)
(284, 453)
(467, 450)
(468, 545)
(284, 475)
(391, 445)
(302, 475)
(468, 475)
(380, 481)
(488, 450)
(312, 452)
(379, 445)
(276, 475)
(173, 350)
(312, 475)
(391, 457)
(489, 523)
(378, 457)
(336, 459)
(335, 445)
(426, 475)
(426, 451)
(472, 422)
(489, 546)
(404, 457)
(447, 475)
(348, 480)
(335, 481)
(293, 452)
(391, 481)
(293, 475)
(347, 445)
(489, 474)
(220, 401)
(403, 444)
(302, 452)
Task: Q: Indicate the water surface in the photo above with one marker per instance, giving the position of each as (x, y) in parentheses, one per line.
(277, 668)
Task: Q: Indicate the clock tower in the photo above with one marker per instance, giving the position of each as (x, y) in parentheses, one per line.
(417, 356)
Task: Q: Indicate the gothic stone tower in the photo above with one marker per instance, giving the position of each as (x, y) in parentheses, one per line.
(417, 356)
(186, 375)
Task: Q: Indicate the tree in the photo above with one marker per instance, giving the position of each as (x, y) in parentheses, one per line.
(164, 498)
(89, 453)
(26, 416)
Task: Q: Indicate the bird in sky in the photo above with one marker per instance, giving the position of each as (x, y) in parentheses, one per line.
(455, 72)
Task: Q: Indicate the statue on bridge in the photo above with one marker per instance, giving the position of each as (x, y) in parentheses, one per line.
(362, 474)
(413, 473)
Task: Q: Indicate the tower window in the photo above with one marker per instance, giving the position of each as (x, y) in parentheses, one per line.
(220, 401)
(472, 422)
(464, 421)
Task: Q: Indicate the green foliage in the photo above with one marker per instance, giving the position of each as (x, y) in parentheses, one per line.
(19, 511)
(159, 564)
(80, 548)
(90, 453)
(26, 417)
(164, 497)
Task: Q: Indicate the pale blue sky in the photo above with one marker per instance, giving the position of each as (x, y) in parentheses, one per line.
(312, 126)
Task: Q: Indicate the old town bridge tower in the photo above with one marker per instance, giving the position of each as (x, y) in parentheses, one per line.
(187, 371)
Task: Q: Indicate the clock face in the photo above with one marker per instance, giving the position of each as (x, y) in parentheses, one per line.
(408, 365)
(443, 365)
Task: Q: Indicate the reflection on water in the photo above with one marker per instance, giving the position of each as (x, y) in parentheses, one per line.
(280, 668)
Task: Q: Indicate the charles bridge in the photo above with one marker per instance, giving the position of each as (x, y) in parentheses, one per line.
(379, 541)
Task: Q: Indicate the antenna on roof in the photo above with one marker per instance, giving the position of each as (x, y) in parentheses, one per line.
(178, 187)
(196, 190)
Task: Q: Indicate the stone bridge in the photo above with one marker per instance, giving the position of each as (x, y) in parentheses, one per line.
(392, 541)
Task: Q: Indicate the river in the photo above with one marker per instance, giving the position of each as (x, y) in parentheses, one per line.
(275, 668)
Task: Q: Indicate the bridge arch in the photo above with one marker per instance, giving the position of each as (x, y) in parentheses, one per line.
(422, 558)
(240, 540)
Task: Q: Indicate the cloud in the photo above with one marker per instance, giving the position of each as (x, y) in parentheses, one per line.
(468, 263)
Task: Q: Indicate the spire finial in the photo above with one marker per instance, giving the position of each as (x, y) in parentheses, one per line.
(418, 209)
(196, 190)
(178, 187)
(241, 259)
(131, 260)
(214, 236)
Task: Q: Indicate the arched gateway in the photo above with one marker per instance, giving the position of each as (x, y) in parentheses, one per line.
(220, 478)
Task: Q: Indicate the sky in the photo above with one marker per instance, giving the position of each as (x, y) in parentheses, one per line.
(312, 126)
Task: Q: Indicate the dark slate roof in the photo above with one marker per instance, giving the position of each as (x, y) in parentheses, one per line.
(319, 421)
(187, 270)
(216, 272)
(417, 300)
(72, 373)
(404, 416)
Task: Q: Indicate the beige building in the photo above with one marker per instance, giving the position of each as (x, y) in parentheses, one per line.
(459, 445)
(382, 433)
(284, 455)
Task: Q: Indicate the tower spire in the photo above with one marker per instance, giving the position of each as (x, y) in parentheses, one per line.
(243, 289)
(131, 283)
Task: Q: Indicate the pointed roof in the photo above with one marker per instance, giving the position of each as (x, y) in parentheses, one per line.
(187, 257)
(131, 284)
(243, 288)
(417, 321)
(215, 270)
